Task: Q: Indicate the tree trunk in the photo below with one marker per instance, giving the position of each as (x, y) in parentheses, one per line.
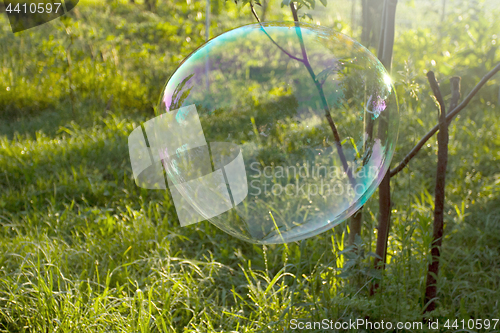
(150, 5)
(265, 5)
(437, 235)
(370, 26)
(385, 56)
(368, 30)
(355, 228)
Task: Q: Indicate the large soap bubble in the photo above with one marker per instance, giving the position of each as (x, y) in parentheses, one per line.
(276, 131)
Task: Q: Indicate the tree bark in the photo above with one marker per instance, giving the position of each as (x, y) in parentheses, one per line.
(371, 9)
(437, 235)
(355, 229)
(357, 219)
(385, 56)
(265, 5)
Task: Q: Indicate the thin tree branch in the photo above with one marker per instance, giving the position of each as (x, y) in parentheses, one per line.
(357, 217)
(254, 12)
(294, 12)
(299, 34)
(449, 118)
(454, 112)
(272, 40)
(437, 93)
(306, 63)
(319, 87)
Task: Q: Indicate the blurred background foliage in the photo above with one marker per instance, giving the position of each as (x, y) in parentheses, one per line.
(82, 248)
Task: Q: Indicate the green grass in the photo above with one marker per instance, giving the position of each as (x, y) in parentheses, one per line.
(83, 249)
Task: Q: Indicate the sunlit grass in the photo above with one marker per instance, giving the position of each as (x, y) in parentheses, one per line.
(82, 248)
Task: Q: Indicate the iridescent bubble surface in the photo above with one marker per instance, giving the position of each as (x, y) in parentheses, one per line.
(298, 126)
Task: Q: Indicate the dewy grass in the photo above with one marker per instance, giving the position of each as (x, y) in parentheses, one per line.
(83, 249)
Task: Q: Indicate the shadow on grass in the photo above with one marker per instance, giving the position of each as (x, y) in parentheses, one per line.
(469, 278)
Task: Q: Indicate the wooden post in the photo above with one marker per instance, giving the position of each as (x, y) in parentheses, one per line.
(437, 235)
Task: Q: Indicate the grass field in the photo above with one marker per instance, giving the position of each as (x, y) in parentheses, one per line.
(83, 249)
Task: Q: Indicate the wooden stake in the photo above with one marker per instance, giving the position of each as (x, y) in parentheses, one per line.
(437, 235)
